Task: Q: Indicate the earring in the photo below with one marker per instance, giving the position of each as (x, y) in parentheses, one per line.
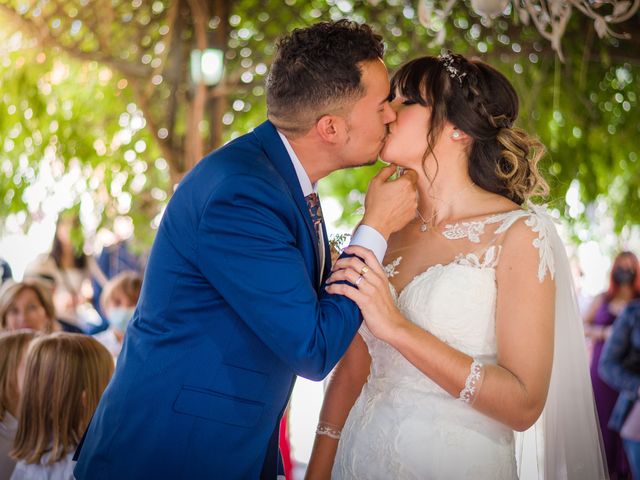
(455, 134)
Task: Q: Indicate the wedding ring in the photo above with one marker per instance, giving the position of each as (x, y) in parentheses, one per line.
(364, 270)
(360, 278)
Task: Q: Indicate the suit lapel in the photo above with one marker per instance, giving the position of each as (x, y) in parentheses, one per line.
(279, 157)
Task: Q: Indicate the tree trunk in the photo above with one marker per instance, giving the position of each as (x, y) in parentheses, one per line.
(217, 104)
(202, 103)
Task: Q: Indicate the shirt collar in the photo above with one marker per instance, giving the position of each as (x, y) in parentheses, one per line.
(303, 178)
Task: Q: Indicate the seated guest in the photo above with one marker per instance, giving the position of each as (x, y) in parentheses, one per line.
(118, 301)
(27, 305)
(13, 349)
(115, 257)
(65, 376)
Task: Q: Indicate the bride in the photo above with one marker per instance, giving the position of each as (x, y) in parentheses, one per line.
(470, 362)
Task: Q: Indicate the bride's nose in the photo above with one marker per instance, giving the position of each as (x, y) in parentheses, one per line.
(389, 113)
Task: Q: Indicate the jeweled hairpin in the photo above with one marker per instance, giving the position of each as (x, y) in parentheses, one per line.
(447, 59)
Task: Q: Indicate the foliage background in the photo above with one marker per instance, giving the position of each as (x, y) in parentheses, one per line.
(94, 114)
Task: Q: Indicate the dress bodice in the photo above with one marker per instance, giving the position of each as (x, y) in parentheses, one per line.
(455, 301)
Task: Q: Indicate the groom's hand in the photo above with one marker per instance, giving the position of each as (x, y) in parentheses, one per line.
(390, 205)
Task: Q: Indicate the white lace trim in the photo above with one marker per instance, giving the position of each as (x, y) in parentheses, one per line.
(489, 259)
(471, 385)
(328, 430)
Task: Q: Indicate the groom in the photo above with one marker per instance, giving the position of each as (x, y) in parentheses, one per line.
(232, 306)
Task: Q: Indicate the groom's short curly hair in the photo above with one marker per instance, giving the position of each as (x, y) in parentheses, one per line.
(316, 71)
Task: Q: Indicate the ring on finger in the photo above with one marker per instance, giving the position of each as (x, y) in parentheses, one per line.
(364, 270)
(359, 280)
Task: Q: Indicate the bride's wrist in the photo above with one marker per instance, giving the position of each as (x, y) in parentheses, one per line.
(397, 330)
(328, 430)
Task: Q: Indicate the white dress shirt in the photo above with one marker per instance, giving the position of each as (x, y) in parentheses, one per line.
(364, 236)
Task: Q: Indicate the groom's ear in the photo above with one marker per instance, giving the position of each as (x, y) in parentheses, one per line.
(330, 128)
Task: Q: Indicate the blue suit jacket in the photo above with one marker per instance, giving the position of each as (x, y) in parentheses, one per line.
(230, 313)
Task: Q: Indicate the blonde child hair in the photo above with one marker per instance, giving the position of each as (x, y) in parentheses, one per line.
(13, 346)
(129, 283)
(65, 376)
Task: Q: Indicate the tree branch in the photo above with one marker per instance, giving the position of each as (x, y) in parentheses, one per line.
(45, 39)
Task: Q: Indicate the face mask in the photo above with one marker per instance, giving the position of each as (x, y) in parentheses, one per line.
(119, 317)
(624, 276)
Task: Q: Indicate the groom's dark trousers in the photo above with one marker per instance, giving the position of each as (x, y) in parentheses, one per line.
(231, 311)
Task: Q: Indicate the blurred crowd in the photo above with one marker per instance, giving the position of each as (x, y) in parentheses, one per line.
(61, 331)
(612, 323)
(62, 327)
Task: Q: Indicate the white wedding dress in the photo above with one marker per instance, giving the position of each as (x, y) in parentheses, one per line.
(405, 426)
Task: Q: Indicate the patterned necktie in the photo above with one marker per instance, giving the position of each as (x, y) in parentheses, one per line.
(315, 210)
(313, 202)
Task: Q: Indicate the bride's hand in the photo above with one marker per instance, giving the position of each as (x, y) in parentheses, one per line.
(369, 289)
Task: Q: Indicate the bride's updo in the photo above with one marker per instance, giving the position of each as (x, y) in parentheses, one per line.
(480, 101)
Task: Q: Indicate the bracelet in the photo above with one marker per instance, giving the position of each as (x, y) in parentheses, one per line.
(472, 384)
(329, 430)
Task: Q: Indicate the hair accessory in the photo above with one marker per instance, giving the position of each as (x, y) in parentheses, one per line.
(448, 59)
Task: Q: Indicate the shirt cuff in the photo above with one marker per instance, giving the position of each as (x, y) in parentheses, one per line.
(368, 237)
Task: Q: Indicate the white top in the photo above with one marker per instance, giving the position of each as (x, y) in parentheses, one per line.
(364, 236)
(110, 341)
(61, 470)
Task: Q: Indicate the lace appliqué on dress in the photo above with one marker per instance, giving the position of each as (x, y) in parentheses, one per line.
(470, 230)
(390, 268)
(473, 230)
(538, 219)
(487, 260)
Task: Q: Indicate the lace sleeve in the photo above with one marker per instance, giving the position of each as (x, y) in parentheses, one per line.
(539, 220)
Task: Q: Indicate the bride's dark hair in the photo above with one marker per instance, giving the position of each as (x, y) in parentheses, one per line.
(480, 101)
